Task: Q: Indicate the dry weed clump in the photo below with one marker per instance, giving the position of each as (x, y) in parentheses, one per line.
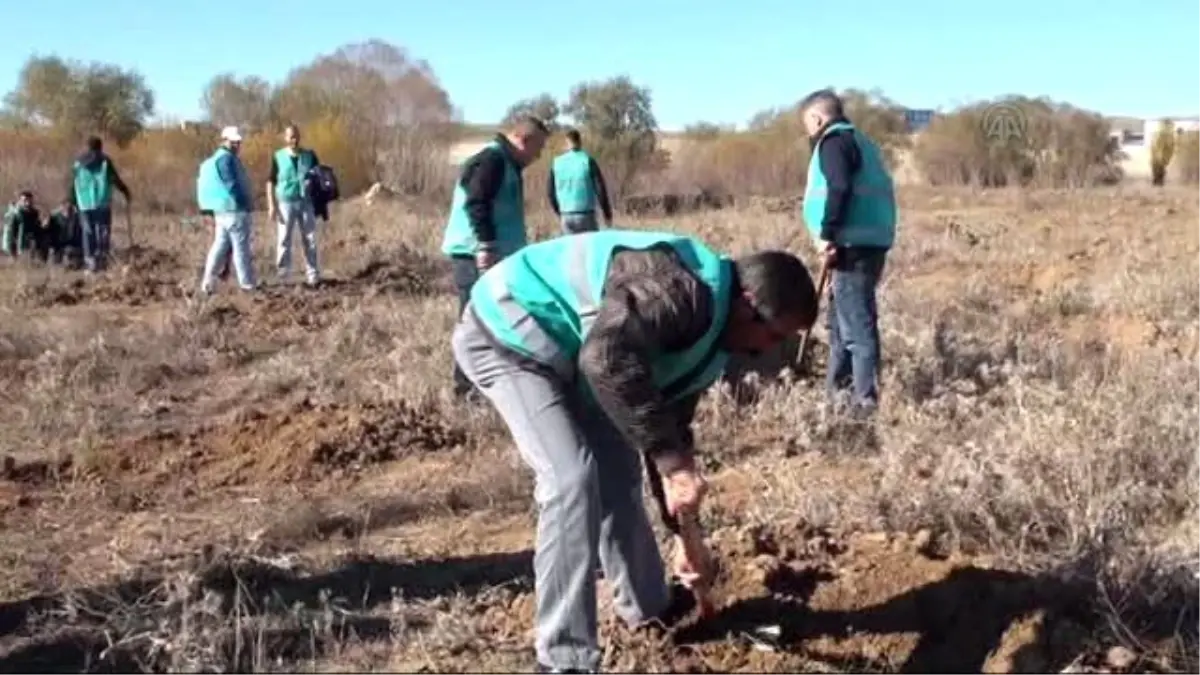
(1187, 157)
(1028, 497)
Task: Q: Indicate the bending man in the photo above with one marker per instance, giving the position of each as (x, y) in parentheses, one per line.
(594, 347)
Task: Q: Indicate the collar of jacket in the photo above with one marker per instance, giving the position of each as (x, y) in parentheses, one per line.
(507, 147)
(812, 140)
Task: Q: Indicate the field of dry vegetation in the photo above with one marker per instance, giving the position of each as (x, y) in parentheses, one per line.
(283, 482)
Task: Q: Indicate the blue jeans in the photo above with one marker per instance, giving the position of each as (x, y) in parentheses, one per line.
(96, 226)
(854, 328)
(231, 232)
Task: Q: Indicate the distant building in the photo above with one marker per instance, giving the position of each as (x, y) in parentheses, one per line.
(917, 119)
(1151, 127)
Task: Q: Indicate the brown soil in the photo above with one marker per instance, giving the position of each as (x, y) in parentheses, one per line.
(303, 442)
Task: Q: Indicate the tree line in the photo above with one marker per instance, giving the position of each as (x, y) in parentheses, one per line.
(380, 115)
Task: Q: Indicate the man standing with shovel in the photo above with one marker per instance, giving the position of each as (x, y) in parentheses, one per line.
(595, 348)
(850, 209)
(89, 188)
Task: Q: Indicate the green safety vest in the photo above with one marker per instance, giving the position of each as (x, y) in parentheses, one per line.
(573, 187)
(508, 214)
(93, 187)
(541, 302)
(290, 185)
(871, 216)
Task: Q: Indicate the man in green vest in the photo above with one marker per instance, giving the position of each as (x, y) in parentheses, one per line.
(595, 350)
(574, 187)
(90, 184)
(850, 210)
(290, 206)
(487, 211)
(22, 219)
(223, 189)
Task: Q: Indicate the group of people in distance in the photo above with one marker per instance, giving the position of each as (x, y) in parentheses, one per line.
(79, 231)
(298, 189)
(595, 347)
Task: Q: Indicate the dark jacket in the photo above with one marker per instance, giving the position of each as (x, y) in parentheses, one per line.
(652, 302)
(92, 160)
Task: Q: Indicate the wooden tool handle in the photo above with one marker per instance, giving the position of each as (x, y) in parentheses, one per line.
(692, 536)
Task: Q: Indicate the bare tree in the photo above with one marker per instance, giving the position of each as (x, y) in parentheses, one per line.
(246, 102)
(76, 98)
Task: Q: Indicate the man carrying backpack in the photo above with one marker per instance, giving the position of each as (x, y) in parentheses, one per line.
(574, 187)
(290, 204)
(89, 188)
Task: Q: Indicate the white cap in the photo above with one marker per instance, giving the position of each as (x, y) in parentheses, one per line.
(231, 134)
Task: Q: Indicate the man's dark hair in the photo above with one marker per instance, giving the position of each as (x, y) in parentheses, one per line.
(574, 138)
(780, 284)
(529, 125)
(827, 100)
(95, 144)
(25, 193)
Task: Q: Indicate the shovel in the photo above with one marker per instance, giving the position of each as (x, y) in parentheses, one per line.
(821, 286)
(692, 536)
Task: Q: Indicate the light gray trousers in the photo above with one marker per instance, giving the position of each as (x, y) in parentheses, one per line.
(296, 216)
(589, 497)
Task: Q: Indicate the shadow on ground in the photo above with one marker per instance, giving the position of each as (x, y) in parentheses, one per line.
(236, 613)
(970, 620)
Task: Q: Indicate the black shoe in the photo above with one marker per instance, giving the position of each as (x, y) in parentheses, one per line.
(682, 603)
(467, 393)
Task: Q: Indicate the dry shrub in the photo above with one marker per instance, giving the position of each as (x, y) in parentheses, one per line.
(1018, 141)
(1187, 157)
(768, 162)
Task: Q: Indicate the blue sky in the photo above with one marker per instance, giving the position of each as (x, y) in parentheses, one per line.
(708, 60)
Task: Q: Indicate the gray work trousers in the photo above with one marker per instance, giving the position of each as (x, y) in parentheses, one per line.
(589, 497)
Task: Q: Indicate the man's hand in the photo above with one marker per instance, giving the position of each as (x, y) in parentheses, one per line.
(829, 252)
(485, 258)
(684, 489)
(694, 568)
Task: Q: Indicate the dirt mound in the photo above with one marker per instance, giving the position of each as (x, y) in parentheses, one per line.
(304, 442)
(146, 261)
(292, 308)
(405, 272)
(804, 599)
(140, 276)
